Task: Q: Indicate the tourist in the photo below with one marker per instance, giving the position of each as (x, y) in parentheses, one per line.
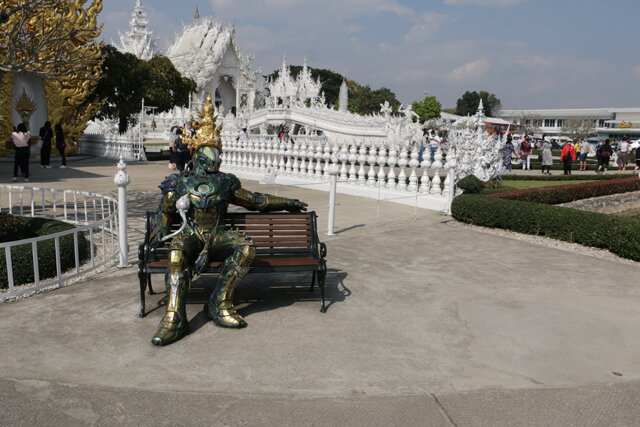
(21, 139)
(172, 148)
(60, 145)
(46, 135)
(182, 151)
(434, 143)
(585, 148)
(605, 155)
(423, 145)
(525, 153)
(507, 153)
(547, 157)
(567, 156)
(623, 154)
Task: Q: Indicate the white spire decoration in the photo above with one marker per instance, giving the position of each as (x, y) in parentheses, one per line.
(344, 97)
(138, 40)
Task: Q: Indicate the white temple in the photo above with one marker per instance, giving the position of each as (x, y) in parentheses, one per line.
(207, 52)
(287, 90)
(138, 40)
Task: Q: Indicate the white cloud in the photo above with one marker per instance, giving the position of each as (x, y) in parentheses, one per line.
(494, 3)
(427, 24)
(470, 72)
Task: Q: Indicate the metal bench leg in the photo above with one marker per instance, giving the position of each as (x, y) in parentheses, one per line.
(322, 274)
(151, 292)
(313, 281)
(143, 287)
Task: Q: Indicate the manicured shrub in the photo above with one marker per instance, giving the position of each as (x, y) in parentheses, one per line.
(568, 193)
(21, 256)
(617, 234)
(471, 185)
(538, 177)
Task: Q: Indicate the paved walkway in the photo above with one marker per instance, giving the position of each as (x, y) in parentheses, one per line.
(429, 324)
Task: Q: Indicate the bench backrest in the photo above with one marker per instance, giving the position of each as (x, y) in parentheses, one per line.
(275, 233)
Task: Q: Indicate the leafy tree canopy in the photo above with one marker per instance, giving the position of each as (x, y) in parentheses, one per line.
(428, 108)
(468, 103)
(362, 99)
(127, 79)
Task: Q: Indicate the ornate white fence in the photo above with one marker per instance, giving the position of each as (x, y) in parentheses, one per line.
(97, 219)
(386, 173)
(110, 146)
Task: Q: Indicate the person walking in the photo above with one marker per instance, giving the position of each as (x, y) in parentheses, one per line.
(585, 148)
(507, 153)
(547, 157)
(60, 145)
(21, 139)
(605, 155)
(182, 151)
(525, 153)
(567, 156)
(46, 135)
(623, 154)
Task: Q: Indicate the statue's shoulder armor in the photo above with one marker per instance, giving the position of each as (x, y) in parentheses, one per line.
(172, 183)
(230, 181)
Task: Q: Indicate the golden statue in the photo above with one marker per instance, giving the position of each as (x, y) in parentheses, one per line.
(55, 40)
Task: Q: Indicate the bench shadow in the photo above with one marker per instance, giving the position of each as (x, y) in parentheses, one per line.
(266, 292)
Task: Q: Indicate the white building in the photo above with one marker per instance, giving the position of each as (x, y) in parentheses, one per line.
(206, 51)
(138, 40)
(607, 122)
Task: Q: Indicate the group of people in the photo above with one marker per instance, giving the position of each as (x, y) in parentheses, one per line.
(179, 153)
(569, 153)
(523, 152)
(21, 138)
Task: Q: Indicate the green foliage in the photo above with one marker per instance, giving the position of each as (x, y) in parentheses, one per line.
(617, 234)
(593, 177)
(468, 103)
(571, 192)
(21, 256)
(428, 108)
(126, 80)
(362, 99)
(471, 185)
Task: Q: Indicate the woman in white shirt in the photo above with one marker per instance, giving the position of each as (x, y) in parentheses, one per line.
(21, 139)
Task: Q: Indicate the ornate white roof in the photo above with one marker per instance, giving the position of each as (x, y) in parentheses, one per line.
(303, 87)
(138, 40)
(198, 52)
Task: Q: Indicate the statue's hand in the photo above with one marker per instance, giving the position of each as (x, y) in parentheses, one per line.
(296, 205)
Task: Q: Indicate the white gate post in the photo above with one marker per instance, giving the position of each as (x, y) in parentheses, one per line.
(122, 180)
(333, 189)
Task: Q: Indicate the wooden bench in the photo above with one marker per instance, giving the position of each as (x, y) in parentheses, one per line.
(285, 243)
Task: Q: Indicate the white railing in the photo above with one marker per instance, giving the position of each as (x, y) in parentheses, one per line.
(95, 215)
(109, 146)
(382, 172)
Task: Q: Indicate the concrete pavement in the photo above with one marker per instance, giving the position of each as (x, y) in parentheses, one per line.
(429, 324)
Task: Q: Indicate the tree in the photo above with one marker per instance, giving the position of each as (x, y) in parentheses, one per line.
(428, 108)
(579, 127)
(529, 124)
(127, 79)
(468, 103)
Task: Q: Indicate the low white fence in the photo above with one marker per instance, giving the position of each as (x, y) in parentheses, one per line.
(110, 146)
(378, 172)
(95, 215)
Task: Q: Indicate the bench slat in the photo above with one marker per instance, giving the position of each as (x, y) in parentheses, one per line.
(257, 262)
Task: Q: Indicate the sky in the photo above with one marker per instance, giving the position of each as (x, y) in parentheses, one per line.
(529, 53)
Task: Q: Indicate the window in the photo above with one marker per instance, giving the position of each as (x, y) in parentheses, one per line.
(549, 123)
(560, 123)
(601, 123)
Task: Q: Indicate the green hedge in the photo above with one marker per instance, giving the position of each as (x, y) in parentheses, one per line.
(22, 258)
(568, 193)
(617, 234)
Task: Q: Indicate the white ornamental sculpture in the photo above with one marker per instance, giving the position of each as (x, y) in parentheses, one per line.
(138, 40)
(475, 152)
(343, 97)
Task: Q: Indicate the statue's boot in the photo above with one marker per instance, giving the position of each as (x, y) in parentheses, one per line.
(174, 325)
(220, 308)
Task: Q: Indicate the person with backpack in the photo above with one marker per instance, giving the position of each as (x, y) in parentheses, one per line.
(21, 140)
(567, 156)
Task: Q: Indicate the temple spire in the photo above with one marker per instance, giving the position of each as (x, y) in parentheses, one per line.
(196, 13)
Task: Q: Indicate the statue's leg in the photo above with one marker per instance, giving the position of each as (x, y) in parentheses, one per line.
(239, 252)
(174, 325)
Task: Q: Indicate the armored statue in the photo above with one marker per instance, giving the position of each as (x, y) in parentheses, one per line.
(198, 199)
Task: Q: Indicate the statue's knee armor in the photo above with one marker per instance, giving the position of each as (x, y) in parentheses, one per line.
(237, 264)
